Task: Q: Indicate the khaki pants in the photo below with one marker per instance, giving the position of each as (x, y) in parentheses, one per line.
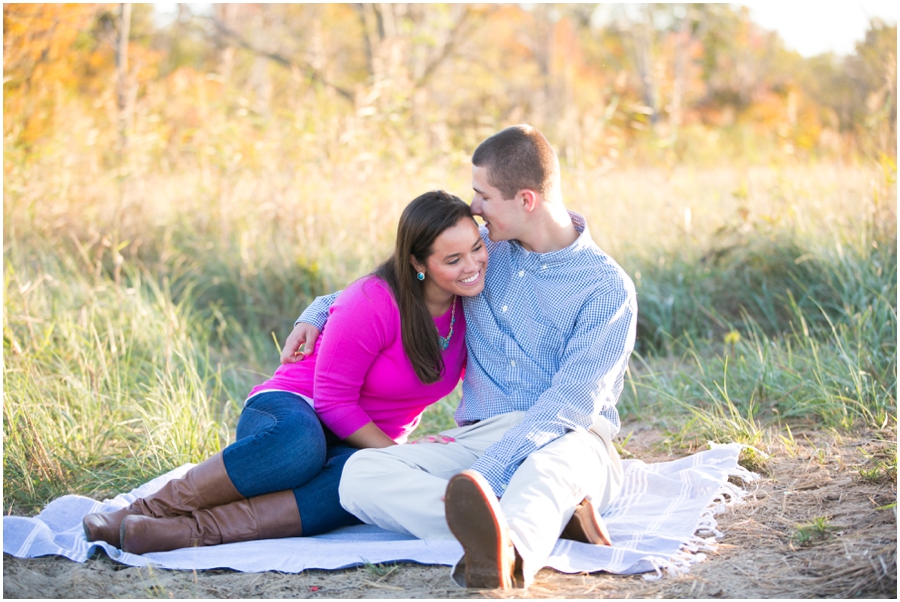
(400, 488)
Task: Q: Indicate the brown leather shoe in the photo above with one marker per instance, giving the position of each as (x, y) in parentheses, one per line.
(475, 519)
(587, 526)
(269, 516)
(459, 572)
(203, 486)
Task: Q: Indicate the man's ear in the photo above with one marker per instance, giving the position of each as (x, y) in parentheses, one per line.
(528, 198)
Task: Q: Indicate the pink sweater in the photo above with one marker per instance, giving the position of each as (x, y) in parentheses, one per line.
(359, 372)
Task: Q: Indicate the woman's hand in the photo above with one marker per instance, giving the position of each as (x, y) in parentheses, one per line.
(442, 439)
(370, 436)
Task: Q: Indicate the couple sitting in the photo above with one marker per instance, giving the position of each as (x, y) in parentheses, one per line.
(543, 334)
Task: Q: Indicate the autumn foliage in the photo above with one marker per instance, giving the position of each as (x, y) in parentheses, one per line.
(246, 85)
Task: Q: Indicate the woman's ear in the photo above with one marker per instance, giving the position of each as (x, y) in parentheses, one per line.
(415, 264)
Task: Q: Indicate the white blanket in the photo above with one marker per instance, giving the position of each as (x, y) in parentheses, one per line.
(663, 521)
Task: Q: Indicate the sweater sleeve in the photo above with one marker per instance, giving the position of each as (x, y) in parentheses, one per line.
(363, 321)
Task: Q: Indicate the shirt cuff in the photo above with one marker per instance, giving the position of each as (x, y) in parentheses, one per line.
(493, 472)
(313, 318)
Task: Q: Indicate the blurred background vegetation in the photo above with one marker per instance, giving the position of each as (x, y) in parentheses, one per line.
(176, 191)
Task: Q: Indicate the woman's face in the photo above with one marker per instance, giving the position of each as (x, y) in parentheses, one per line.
(457, 261)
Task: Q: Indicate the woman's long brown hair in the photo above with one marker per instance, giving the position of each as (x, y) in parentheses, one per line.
(423, 220)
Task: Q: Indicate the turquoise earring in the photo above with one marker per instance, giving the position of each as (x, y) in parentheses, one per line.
(420, 276)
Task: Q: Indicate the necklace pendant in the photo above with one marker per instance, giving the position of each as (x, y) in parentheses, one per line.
(444, 342)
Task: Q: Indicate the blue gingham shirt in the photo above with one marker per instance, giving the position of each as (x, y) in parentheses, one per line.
(550, 335)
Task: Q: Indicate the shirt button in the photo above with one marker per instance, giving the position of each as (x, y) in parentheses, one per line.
(504, 308)
(512, 363)
(521, 273)
(544, 267)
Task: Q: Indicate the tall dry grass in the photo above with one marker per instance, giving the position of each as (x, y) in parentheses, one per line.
(141, 303)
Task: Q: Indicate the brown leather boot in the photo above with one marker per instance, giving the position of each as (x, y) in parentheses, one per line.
(587, 526)
(269, 516)
(203, 486)
(104, 526)
(476, 520)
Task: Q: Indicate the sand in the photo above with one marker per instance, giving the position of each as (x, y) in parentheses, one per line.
(848, 548)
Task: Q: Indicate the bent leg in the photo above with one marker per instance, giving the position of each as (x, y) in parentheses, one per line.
(308, 510)
(269, 516)
(280, 445)
(401, 488)
(544, 491)
(318, 500)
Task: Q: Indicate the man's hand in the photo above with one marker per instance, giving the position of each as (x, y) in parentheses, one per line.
(300, 343)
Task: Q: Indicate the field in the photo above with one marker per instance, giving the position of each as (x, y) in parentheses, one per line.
(139, 310)
(179, 182)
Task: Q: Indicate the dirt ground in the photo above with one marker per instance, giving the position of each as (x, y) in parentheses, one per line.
(821, 523)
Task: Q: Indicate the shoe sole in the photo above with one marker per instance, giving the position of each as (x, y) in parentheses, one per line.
(472, 515)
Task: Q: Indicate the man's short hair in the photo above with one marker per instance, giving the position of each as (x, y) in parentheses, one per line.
(519, 157)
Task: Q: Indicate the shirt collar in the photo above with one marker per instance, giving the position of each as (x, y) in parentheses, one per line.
(543, 260)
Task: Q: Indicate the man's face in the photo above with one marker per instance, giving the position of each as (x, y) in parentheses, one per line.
(501, 216)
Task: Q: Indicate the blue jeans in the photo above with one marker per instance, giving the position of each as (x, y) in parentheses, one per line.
(281, 444)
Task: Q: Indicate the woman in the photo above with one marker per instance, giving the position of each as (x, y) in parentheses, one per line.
(393, 345)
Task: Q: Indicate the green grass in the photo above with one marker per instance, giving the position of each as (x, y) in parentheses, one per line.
(105, 386)
(822, 351)
(881, 464)
(130, 342)
(439, 417)
(379, 571)
(816, 530)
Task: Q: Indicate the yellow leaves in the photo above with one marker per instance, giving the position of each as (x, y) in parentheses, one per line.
(37, 39)
(718, 86)
(40, 63)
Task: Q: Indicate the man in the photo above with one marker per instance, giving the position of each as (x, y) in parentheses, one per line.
(548, 341)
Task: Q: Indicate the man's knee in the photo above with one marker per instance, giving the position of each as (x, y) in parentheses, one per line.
(363, 471)
(575, 463)
(561, 458)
